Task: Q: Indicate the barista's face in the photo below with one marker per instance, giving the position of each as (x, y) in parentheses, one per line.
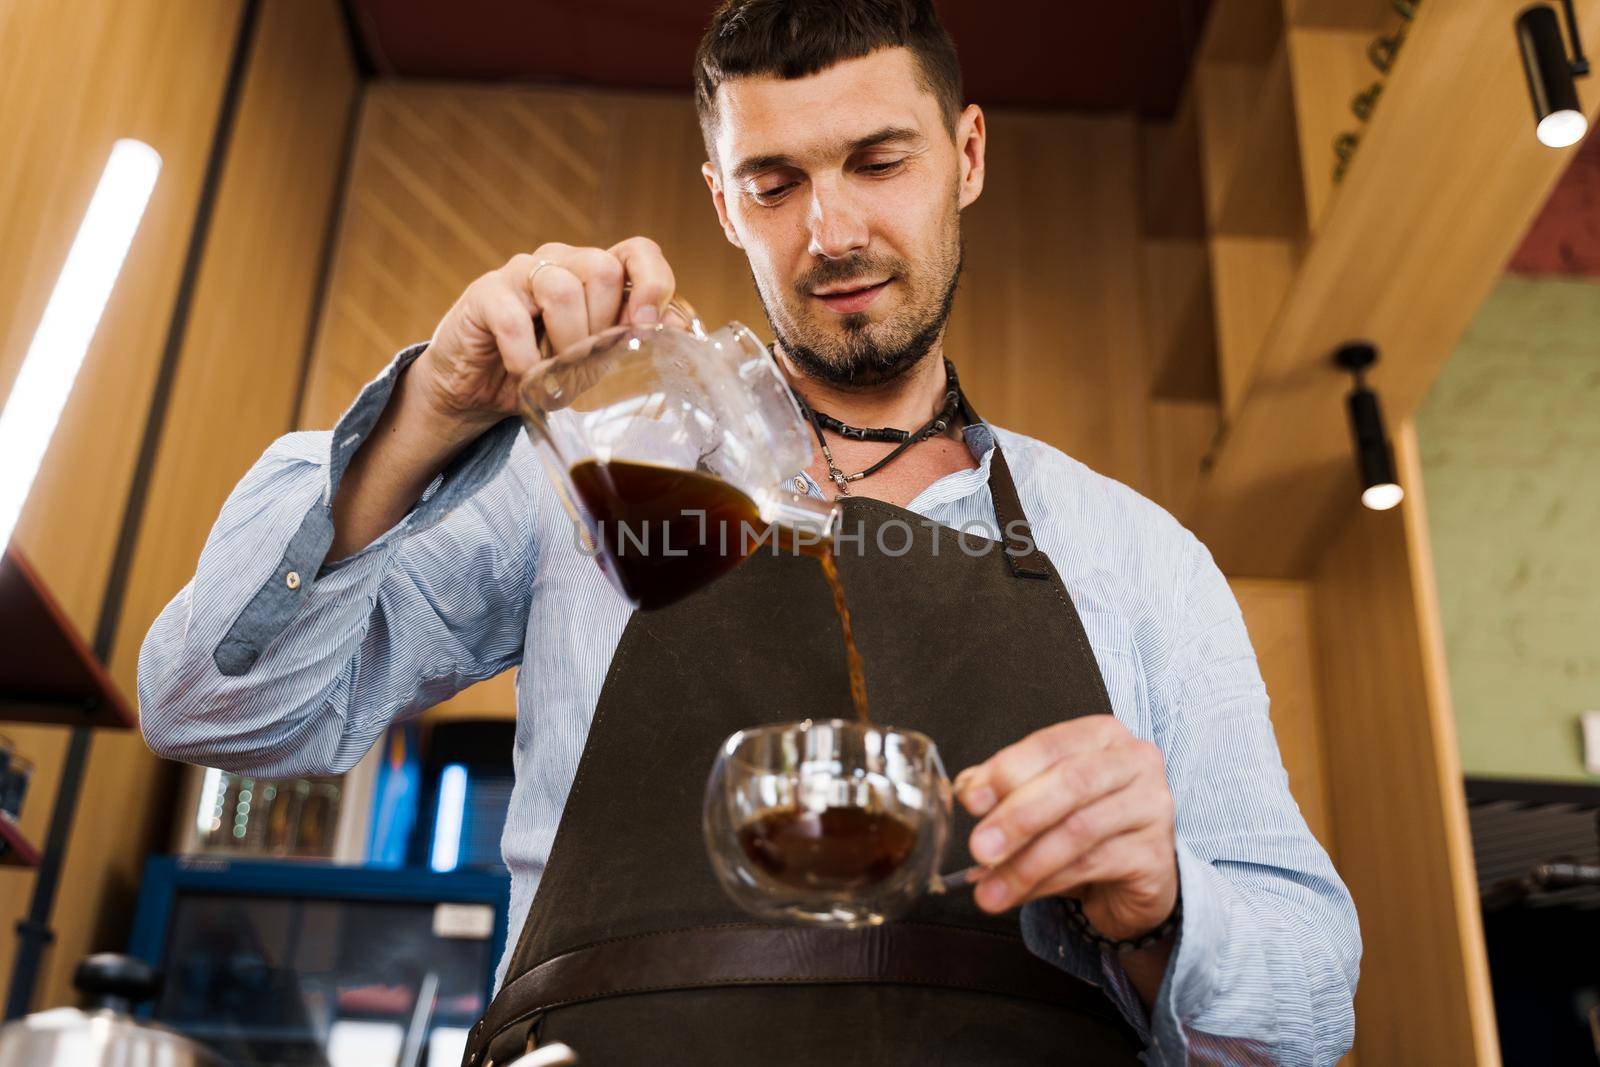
(845, 191)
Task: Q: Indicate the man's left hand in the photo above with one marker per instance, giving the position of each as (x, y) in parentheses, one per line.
(1080, 809)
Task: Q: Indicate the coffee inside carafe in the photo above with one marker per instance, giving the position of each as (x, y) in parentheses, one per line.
(664, 532)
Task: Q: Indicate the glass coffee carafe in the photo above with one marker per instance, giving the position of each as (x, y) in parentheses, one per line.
(673, 450)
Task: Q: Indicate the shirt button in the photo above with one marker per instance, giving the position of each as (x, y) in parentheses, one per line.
(292, 579)
(800, 483)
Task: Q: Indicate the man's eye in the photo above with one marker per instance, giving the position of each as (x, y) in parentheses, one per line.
(882, 168)
(772, 195)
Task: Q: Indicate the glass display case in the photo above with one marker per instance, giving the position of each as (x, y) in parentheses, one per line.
(314, 964)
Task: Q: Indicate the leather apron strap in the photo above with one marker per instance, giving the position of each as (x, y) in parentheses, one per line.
(915, 954)
(1022, 554)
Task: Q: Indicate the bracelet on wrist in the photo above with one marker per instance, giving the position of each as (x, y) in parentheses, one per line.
(1080, 924)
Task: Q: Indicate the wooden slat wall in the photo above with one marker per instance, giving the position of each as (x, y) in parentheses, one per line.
(238, 372)
(448, 183)
(1395, 790)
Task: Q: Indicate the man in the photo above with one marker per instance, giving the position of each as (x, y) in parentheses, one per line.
(1167, 893)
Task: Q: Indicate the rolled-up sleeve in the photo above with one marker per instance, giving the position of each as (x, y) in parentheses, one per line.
(1266, 958)
(276, 660)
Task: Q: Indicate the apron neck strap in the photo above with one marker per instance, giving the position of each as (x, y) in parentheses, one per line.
(1022, 553)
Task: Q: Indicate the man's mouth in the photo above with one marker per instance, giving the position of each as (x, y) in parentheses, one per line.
(855, 297)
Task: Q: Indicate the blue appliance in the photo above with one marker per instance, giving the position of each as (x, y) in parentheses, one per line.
(295, 963)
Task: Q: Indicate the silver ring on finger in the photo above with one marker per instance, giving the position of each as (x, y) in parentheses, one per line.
(541, 265)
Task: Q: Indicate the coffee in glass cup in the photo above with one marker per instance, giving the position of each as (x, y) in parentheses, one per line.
(827, 821)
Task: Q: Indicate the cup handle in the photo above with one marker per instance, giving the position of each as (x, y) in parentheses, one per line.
(945, 883)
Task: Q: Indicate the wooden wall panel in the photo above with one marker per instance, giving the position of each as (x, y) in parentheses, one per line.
(1394, 778)
(234, 391)
(1279, 617)
(447, 183)
(1046, 328)
(239, 369)
(74, 76)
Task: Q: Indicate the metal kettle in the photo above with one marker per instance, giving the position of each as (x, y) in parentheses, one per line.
(102, 1033)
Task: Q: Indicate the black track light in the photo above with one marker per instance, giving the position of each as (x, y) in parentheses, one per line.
(1560, 118)
(1380, 488)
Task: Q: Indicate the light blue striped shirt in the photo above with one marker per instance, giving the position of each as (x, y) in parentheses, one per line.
(250, 670)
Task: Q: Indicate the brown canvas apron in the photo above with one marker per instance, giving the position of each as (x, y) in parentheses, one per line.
(631, 953)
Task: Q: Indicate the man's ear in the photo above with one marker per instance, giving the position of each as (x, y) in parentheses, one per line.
(970, 140)
(714, 183)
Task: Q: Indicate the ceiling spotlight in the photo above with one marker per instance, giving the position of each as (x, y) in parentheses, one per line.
(1380, 488)
(1560, 118)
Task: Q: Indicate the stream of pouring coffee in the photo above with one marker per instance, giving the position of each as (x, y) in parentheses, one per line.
(858, 678)
(705, 520)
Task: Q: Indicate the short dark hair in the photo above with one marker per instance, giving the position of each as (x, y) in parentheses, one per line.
(797, 38)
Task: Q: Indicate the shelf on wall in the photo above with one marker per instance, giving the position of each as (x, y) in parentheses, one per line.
(1241, 31)
(1179, 331)
(1261, 191)
(1171, 201)
(19, 851)
(1180, 323)
(48, 674)
(1255, 205)
(1338, 14)
(1329, 68)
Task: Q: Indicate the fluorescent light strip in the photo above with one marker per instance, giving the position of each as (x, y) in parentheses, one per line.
(447, 821)
(70, 318)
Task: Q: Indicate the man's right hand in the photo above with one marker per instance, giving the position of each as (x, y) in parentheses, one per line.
(490, 338)
(466, 380)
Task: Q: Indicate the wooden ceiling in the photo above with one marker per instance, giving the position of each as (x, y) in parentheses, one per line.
(1123, 55)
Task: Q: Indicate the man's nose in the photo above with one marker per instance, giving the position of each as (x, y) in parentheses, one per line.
(838, 227)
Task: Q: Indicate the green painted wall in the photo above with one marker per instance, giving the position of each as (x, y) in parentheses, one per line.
(1510, 444)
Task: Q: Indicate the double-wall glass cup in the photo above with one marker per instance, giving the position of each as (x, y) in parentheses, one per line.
(827, 822)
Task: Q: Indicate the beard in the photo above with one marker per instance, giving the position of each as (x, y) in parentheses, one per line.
(861, 353)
